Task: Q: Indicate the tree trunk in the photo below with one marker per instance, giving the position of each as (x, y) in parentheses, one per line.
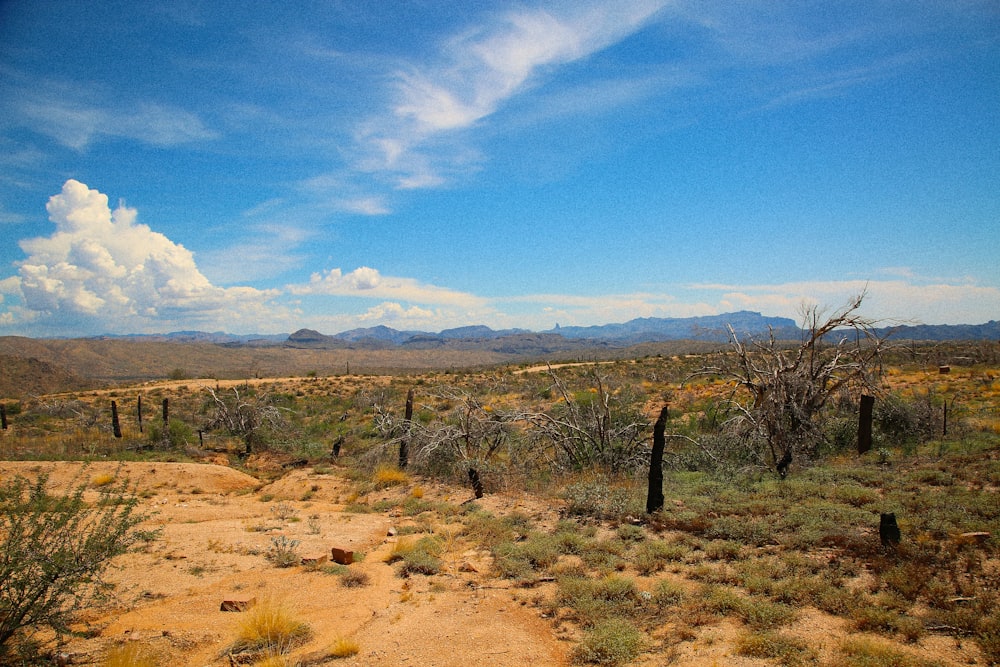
(654, 495)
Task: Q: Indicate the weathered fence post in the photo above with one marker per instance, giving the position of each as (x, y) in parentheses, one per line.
(116, 427)
(654, 494)
(477, 484)
(3, 416)
(138, 411)
(888, 530)
(944, 419)
(404, 444)
(865, 424)
(166, 412)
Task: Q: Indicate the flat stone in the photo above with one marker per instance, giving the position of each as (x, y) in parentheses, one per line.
(341, 556)
(237, 605)
(314, 561)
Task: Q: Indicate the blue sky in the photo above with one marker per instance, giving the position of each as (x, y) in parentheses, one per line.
(267, 166)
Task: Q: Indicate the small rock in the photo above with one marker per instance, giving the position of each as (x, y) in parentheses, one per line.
(467, 567)
(978, 537)
(315, 561)
(341, 556)
(391, 532)
(237, 605)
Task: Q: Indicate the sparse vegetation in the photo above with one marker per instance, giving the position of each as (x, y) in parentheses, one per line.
(735, 543)
(55, 548)
(269, 628)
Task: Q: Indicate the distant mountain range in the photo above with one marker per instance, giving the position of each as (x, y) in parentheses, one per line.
(713, 328)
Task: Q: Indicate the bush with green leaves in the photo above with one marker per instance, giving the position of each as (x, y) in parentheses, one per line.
(55, 549)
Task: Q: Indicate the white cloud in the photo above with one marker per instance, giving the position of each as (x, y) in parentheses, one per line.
(76, 115)
(476, 72)
(102, 271)
(367, 282)
(908, 300)
(393, 312)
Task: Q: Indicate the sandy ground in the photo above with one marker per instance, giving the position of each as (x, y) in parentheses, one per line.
(215, 529)
(217, 523)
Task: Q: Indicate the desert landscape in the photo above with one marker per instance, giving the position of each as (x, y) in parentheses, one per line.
(554, 564)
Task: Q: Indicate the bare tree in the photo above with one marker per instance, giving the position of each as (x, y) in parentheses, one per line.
(470, 431)
(245, 417)
(604, 428)
(782, 389)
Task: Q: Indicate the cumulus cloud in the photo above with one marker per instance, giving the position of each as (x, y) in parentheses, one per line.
(103, 271)
(369, 283)
(394, 312)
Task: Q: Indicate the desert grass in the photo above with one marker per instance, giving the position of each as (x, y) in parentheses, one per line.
(129, 654)
(102, 479)
(269, 627)
(343, 647)
(610, 642)
(386, 475)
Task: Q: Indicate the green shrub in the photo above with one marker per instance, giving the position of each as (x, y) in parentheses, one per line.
(176, 434)
(283, 552)
(786, 650)
(55, 549)
(863, 652)
(610, 642)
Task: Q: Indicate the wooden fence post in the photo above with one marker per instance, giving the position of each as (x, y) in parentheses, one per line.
(654, 493)
(477, 483)
(3, 416)
(166, 411)
(138, 411)
(865, 424)
(404, 444)
(116, 427)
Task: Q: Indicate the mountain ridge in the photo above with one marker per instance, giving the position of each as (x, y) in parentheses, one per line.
(709, 328)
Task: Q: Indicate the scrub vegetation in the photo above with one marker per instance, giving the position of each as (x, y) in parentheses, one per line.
(742, 541)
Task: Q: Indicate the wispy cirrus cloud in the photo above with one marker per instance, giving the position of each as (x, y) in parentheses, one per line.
(77, 113)
(474, 73)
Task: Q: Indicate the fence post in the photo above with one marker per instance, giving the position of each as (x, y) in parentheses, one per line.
(166, 412)
(404, 444)
(865, 424)
(138, 411)
(115, 425)
(654, 494)
(3, 416)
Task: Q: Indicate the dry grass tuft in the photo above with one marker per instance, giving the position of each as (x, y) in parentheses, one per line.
(102, 479)
(130, 654)
(344, 647)
(386, 476)
(270, 627)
